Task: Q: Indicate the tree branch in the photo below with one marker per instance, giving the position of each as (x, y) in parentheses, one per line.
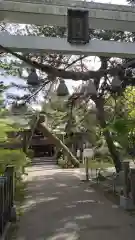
(76, 76)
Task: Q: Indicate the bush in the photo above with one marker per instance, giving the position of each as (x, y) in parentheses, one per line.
(15, 157)
(64, 163)
(61, 163)
(19, 160)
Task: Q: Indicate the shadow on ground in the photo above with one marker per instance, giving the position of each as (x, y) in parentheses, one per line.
(59, 207)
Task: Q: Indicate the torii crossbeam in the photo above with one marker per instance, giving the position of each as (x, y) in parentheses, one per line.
(49, 12)
(60, 45)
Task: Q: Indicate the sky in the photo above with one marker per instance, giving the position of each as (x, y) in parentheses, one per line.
(70, 84)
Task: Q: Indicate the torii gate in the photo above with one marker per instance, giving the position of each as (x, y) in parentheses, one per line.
(46, 12)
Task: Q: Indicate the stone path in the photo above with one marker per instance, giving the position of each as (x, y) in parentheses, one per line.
(60, 207)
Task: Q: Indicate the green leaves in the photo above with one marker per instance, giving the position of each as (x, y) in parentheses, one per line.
(121, 126)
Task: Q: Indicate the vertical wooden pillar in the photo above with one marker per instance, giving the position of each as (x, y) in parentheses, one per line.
(126, 169)
(133, 184)
(9, 173)
(87, 168)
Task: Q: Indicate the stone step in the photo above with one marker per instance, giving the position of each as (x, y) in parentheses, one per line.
(44, 161)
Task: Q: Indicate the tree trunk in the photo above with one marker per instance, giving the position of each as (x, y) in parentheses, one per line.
(112, 149)
(47, 133)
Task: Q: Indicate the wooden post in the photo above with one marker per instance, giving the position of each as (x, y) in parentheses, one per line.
(9, 173)
(126, 169)
(133, 184)
(87, 168)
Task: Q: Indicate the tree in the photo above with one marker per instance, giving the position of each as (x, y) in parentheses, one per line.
(131, 1)
(15, 157)
(122, 125)
(78, 126)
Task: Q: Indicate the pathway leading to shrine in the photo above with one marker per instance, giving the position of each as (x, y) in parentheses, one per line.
(60, 207)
